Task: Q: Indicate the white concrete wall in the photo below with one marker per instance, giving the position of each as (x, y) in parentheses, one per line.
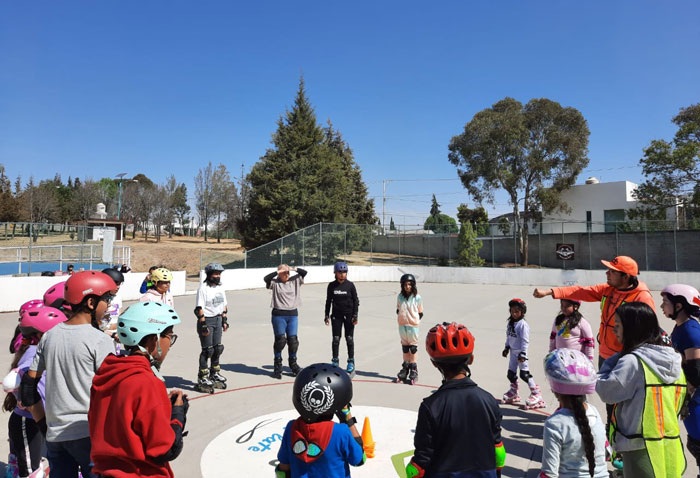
(239, 279)
(595, 198)
(15, 291)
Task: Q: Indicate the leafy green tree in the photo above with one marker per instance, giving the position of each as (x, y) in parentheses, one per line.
(439, 223)
(532, 152)
(477, 216)
(672, 170)
(392, 227)
(308, 176)
(9, 206)
(468, 247)
(504, 226)
(180, 206)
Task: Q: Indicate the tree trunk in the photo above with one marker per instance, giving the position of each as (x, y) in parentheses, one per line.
(218, 229)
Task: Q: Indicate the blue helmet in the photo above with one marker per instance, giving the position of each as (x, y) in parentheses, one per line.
(340, 267)
(143, 319)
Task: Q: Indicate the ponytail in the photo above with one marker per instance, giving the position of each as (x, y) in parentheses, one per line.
(584, 429)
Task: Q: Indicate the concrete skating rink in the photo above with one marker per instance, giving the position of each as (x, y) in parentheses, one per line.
(235, 432)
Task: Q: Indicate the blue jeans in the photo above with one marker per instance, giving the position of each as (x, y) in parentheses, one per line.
(66, 458)
(285, 324)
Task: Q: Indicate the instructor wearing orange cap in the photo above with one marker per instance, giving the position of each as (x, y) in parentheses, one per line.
(622, 286)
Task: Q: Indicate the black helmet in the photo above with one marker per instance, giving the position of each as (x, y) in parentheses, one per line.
(408, 278)
(518, 303)
(114, 274)
(321, 390)
(213, 267)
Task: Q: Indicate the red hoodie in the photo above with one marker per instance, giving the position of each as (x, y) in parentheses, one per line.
(129, 419)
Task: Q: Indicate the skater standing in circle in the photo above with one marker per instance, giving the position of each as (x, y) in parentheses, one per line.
(409, 311)
(571, 331)
(681, 303)
(458, 432)
(285, 316)
(574, 436)
(211, 309)
(517, 341)
(342, 295)
(159, 290)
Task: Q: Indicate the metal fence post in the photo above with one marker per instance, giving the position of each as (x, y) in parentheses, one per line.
(345, 242)
(646, 251)
(563, 262)
(245, 259)
(320, 242)
(428, 242)
(617, 244)
(31, 237)
(303, 247)
(90, 256)
(493, 249)
(371, 236)
(675, 248)
(281, 253)
(590, 251)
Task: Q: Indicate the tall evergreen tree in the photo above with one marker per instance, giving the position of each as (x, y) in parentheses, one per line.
(308, 176)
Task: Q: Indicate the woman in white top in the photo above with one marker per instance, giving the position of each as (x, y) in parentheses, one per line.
(210, 310)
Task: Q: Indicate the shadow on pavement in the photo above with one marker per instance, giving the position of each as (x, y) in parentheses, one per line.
(243, 368)
(178, 382)
(362, 373)
(523, 427)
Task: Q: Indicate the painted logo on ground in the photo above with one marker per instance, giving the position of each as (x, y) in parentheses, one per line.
(251, 447)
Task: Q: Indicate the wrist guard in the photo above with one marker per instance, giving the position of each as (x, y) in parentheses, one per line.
(500, 455)
(282, 473)
(522, 356)
(692, 371)
(414, 471)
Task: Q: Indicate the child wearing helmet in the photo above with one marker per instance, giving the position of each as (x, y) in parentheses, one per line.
(458, 432)
(109, 322)
(147, 281)
(25, 435)
(136, 426)
(574, 436)
(517, 342)
(314, 445)
(342, 296)
(681, 303)
(159, 291)
(211, 309)
(17, 338)
(409, 312)
(570, 330)
(70, 353)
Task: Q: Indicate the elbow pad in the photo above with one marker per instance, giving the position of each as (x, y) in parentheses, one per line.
(28, 394)
(500, 455)
(692, 371)
(198, 311)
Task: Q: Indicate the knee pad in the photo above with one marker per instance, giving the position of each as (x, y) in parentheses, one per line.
(336, 340)
(293, 342)
(413, 349)
(349, 339)
(525, 375)
(405, 348)
(280, 342)
(219, 349)
(208, 352)
(512, 376)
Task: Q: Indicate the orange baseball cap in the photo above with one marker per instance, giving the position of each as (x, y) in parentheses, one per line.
(624, 264)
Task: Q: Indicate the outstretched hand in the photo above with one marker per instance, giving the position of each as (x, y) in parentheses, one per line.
(539, 293)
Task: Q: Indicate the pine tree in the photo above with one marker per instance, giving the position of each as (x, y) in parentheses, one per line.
(392, 227)
(468, 247)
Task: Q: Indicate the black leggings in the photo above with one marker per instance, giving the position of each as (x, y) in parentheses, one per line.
(25, 437)
(337, 324)
(211, 344)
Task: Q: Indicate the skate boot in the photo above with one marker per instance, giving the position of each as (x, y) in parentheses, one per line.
(351, 367)
(204, 384)
(335, 361)
(294, 366)
(535, 399)
(277, 371)
(412, 373)
(512, 395)
(403, 373)
(217, 379)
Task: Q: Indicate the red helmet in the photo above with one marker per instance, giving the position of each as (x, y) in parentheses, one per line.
(449, 342)
(518, 303)
(83, 284)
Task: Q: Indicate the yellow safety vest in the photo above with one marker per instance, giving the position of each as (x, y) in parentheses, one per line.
(660, 429)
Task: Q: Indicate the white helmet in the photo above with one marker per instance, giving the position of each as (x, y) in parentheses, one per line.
(686, 295)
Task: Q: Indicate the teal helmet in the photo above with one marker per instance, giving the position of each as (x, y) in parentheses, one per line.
(143, 319)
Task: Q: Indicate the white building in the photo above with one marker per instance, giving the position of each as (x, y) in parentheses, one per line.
(594, 207)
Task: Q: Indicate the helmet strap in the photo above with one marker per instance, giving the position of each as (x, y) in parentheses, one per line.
(155, 363)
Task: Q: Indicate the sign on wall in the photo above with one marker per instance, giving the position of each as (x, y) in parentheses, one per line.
(565, 252)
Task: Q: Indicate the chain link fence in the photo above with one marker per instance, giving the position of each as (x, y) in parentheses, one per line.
(655, 245)
(33, 248)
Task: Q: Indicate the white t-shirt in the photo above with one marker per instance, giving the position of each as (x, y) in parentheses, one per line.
(212, 300)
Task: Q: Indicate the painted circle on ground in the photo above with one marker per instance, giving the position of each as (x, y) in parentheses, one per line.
(250, 448)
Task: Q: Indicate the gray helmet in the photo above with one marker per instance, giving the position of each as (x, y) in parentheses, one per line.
(408, 278)
(116, 276)
(213, 267)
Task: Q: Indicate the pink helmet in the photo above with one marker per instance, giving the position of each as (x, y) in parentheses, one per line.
(683, 293)
(53, 297)
(40, 320)
(31, 305)
(570, 372)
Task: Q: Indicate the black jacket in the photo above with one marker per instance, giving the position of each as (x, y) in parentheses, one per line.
(344, 299)
(458, 428)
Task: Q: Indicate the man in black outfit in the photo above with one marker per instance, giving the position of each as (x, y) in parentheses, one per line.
(341, 293)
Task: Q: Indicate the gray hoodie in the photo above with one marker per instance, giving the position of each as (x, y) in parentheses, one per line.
(621, 381)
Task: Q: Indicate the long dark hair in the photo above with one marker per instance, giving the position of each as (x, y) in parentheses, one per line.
(414, 290)
(639, 326)
(574, 319)
(576, 404)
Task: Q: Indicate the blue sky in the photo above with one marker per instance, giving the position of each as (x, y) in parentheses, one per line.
(93, 89)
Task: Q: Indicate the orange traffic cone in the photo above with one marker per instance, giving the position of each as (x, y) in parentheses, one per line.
(367, 440)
